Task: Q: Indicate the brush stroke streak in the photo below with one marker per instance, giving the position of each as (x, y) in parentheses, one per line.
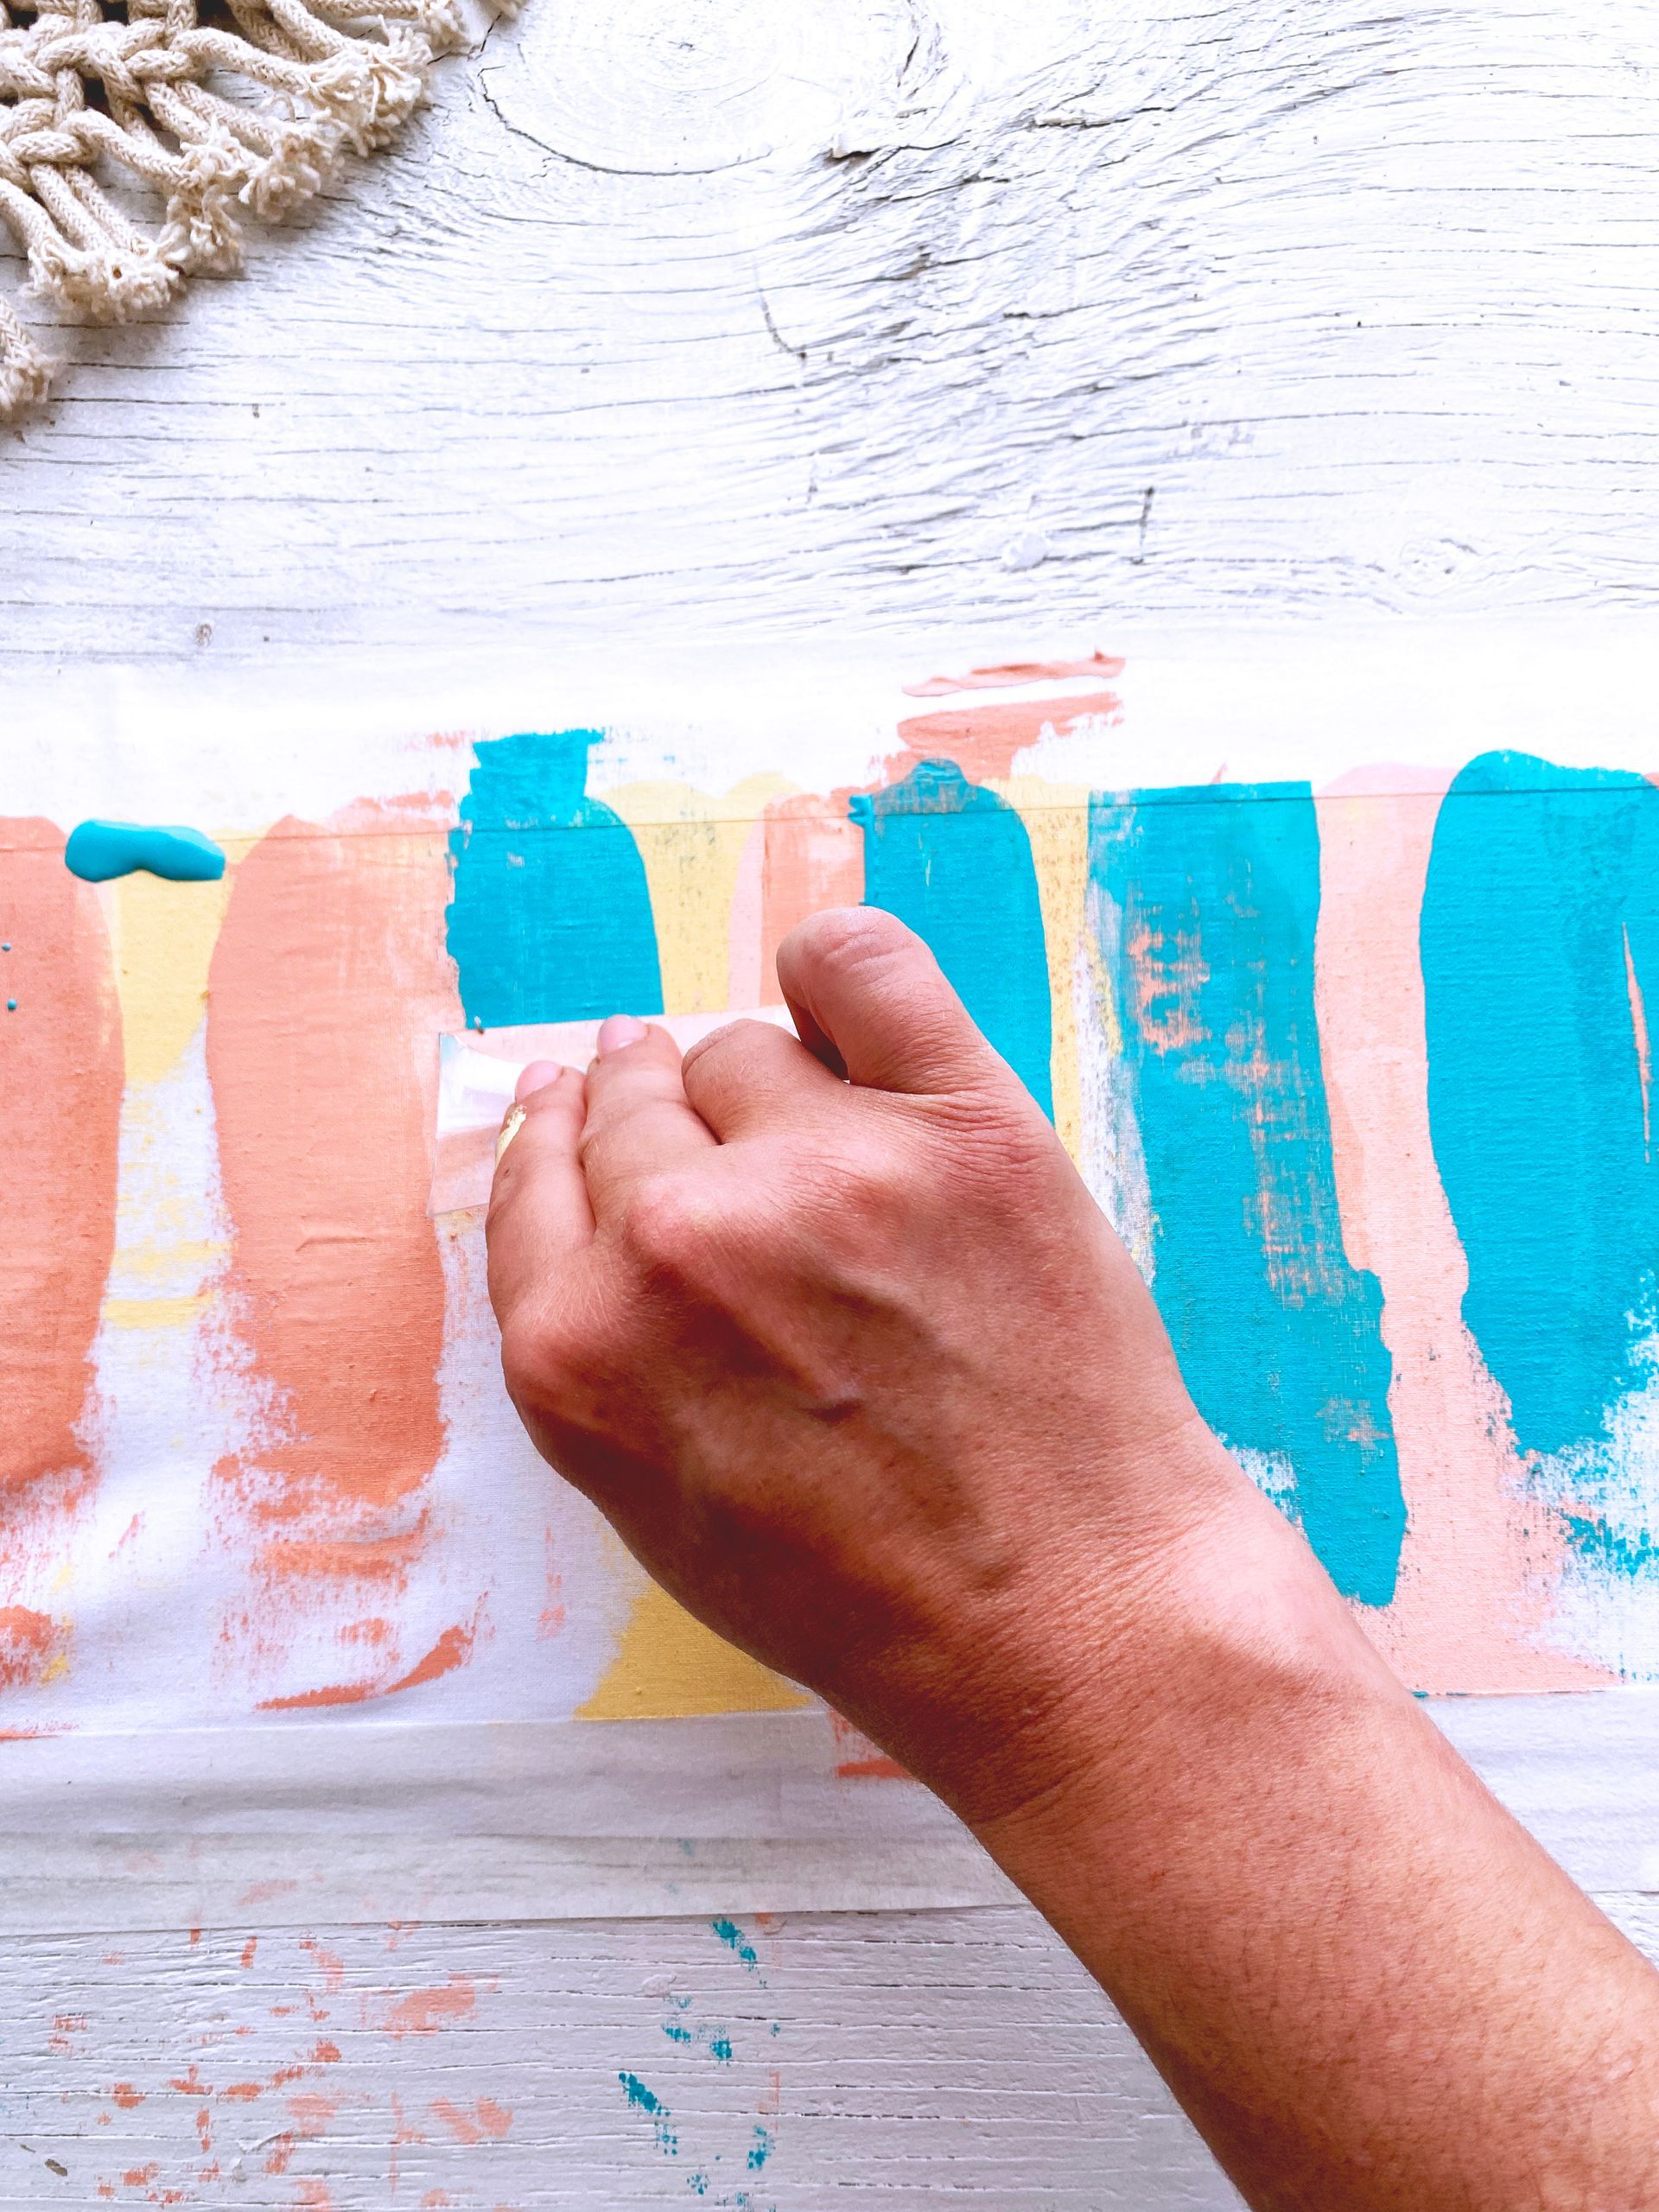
(953, 860)
(61, 1085)
(326, 987)
(1539, 949)
(1205, 903)
(551, 919)
(1480, 1575)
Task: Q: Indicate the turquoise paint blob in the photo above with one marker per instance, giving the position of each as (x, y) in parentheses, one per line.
(99, 850)
(953, 860)
(1539, 940)
(1205, 903)
(551, 917)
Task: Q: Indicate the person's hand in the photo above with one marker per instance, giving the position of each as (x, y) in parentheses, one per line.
(835, 1335)
(837, 1338)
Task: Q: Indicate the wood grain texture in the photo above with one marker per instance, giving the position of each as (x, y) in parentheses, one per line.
(724, 318)
(730, 319)
(942, 2058)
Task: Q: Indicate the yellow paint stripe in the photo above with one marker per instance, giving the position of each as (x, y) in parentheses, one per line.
(692, 845)
(1056, 816)
(155, 1312)
(669, 1667)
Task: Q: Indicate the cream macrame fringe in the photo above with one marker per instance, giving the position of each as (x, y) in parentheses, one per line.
(320, 79)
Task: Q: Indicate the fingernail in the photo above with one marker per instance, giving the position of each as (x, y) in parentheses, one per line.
(622, 1029)
(536, 1077)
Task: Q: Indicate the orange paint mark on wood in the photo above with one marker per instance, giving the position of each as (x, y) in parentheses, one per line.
(127, 2096)
(331, 1965)
(329, 983)
(242, 2093)
(311, 2112)
(325, 2054)
(264, 1892)
(423, 2011)
(61, 1074)
(248, 1951)
(486, 2120)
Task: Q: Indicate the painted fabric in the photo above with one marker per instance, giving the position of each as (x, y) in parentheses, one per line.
(1358, 1063)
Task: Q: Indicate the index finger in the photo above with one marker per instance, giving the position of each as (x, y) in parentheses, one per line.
(539, 1217)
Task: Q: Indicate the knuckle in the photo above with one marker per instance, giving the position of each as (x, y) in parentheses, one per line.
(713, 1060)
(538, 1360)
(663, 1227)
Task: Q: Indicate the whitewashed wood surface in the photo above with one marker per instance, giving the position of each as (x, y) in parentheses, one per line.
(727, 320)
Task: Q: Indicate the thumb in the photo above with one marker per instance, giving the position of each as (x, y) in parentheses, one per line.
(871, 1001)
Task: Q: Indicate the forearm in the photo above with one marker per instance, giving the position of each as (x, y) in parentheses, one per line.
(843, 1347)
(1366, 1984)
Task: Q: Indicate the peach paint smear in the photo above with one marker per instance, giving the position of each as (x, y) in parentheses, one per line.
(327, 987)
(807, 852)
(1481, 1559)
(60, 1081)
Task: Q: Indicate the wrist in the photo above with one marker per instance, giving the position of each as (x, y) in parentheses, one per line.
(1154, 1658)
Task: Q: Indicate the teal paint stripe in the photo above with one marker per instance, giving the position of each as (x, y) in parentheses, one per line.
(550, 916)
(1540, 942)
(1204, 905)
(953, 860)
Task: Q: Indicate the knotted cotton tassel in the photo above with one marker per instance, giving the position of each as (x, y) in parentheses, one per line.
(336, 75)
(25, 372)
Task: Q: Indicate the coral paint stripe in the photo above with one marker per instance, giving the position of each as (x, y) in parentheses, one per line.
(60, 1084)
(328, 987)
(1643, 1048)
(1482, 1558)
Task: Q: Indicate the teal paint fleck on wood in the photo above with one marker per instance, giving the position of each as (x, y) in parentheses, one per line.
(953, 860)
(97, 851)
(1204, 905)
(1540, 942)
(647, 2101)
(550, 917)
(736, 1942)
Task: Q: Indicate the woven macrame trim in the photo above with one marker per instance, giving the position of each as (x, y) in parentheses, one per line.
(103, 86)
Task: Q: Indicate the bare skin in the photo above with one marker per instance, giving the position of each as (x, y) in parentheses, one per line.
(834, 1334)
